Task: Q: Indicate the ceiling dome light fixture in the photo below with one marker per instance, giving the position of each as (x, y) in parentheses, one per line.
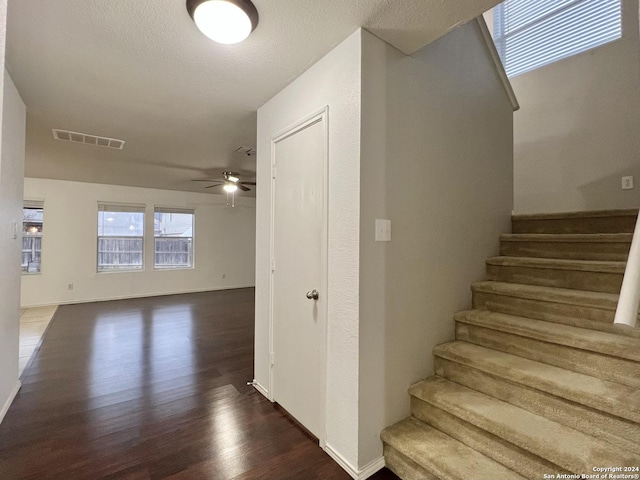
(230, 187)
(224, 21)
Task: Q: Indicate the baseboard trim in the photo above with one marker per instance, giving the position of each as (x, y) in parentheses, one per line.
(371, 468)
(140, 295)
(263, 391)
(357, 474)
(340, 460)
(9, 401)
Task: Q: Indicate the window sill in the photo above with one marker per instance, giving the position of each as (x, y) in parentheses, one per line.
(109, 272)
(173, 269)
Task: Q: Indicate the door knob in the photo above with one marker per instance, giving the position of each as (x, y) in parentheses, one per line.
(313, 295)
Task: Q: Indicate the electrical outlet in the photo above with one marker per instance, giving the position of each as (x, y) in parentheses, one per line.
(70, 286)
(627, 183)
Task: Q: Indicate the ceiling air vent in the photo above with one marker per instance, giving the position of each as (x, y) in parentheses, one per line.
(94, 140)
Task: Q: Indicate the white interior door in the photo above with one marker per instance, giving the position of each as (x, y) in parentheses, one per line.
(299, 240)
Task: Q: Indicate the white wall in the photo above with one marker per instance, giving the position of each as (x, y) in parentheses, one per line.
(224, 244)
(11, 174)
(437, 162)
(576, 133)
(333, 81)
(425, 141)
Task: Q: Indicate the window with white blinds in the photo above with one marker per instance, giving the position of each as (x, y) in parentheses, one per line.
(533, 33)
(173, 232)
(120, 237)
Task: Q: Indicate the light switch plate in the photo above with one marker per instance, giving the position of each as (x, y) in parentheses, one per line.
(383, 230)
(627, 183)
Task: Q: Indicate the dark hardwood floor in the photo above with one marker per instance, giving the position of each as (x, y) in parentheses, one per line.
(153, 388)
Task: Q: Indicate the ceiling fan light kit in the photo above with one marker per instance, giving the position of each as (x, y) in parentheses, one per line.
(230, 183)
(224, 21)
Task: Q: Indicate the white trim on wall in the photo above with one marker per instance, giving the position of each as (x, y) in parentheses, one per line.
(497, 62)
(371, 468)
(355, 473)
(263, 391)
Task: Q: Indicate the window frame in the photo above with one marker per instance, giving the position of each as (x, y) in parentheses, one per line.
(181, 211)
(115, 207)
(32, 205)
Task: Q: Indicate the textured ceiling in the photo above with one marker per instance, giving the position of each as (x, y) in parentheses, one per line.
(141, 71)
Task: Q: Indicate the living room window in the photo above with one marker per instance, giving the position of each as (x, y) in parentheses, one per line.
(173, 232)
(120, 237)
(32, 223)
(533, 33)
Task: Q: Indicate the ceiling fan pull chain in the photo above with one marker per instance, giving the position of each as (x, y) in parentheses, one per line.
(233, 199)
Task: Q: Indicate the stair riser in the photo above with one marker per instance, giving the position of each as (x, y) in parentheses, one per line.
(608, 224)
(614, 345)
(592, 318)
(606, 367)
(509, 455)
(608, 251)
(403, 467)
(548, 277)
(622, 433)
(420, 448)
(569, 450)
(612, 398)
(541, 310)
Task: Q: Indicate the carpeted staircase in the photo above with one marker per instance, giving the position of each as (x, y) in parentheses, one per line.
(539, 380)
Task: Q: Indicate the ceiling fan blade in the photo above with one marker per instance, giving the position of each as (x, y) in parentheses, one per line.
(243, 188)
(215, 185)
(204, 180)
(247, 183)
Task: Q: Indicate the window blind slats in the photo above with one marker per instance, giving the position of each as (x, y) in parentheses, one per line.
(537, 44)
(531, 34)
(188, 211)
(522, 12)
(121, 207)
(33, 204)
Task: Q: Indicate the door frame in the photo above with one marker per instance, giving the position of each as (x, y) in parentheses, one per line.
(321, 115)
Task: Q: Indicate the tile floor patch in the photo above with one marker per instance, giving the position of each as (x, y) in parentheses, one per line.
(33, 323)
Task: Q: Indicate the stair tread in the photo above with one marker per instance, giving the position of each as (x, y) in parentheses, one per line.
(586, 298)
(605, 266)
(632, 212)
(615, 430)
(568, 237)
(442, 454)
(582, 338)
(559, 444)
(614, 398)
